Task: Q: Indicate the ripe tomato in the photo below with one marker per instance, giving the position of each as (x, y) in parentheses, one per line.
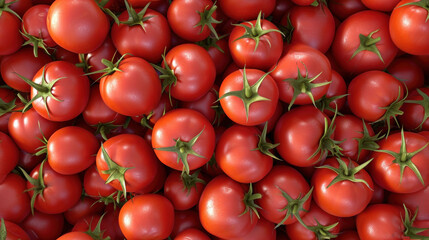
(132, 87)
(408, 71)
(16, 207)
(12, 231)
(148, 216)
(10, 25)
(184, 220)
(344, 8)
(78, 26)
(242, 10)
(335, 97)
(192, 234)
(414, 110)
(413, 201)
(383, 5)
(409, 18)
(183, 139)
(94, 185)
(263, 230)
(85, 207)
(249, 96)
(9, 155)
(43, 226)
(226, 210)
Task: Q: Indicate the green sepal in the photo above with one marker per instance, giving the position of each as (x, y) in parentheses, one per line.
(294, 206)
(101, 4)
(183, 149)
(287, 30)
(206, 19)
(36, 42)
(38, 185)
(367, 142)
(369, 44)
(249, 202)
(323, 103)
(211, 42)
(4, 7)
(167, 76)
(135, 18)
(422, 3)
(190, 180)
(322, 232)
(263, 146)
(110, 67)
(410, 231)
(7, 107)
(3, 230)
(97, 234)
(255, 32)
(105, 128)
(424, 102)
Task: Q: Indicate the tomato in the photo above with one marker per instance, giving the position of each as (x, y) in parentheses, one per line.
(320, 224)
(78, 26)
(9, 155)
(312, 26)
(244, 154)
(85, 207)
(263, 230)
(75, 235)
(146, 34)
(12, 231)
(242, 10)
(43, 226)
(90, 223)
(232, 220)
(413, 201)
(24, 63)
(149, 216)
(71, 150)
(26, 129)
(286, 195)
(126, 162)
(184, 220)
(219, 52)
(16, 206)
(373, 107)
(400, 164)
(131, 88)
(183, 139)
(193, 20)
(344, 8)
(59, 91)
(94, 185)
(188, 72)
(8, 103)
(183, 190)
(207, 105)
(302, 136)
(302, 75)
(28, 161)
(362, 42)
(10, 25)
(414, 110)
(192, 234)
(384, 5)
(335, 97)
(342, 188)
(408, 71)
(255, 44)
(409, 18)
(249, 96)
(53, 192)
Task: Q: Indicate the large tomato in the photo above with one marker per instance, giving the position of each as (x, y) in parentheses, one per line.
(415, 110)
(16, 207)
(78, 26)
(413, 201)
(148, 216)
(409, 18)
(226, 210)
(9, 155)
(241, 10)
(183, 139)
(43, 226)
(10, 25)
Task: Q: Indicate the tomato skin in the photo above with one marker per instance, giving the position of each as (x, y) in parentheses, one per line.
(135, 90)
(302, 126)
(384, 5)
(94, 185)
(414, 113)
(289, 180)
(85, 207)
(225, 220)
(408, 71)
(381, 222)
(129, 150)
(149, 216)
(9, 155)
(34, 23)
(16, 207)
(347, 41)
(237, 157)
(75, 235)
(387, 174)
(220, 59)
(244, 51)
(263, 230)
(106, 51)
(246, 9)
(336, 88)
(192, 234)
(313, 26)
(409, 21)
(413, 201)
(72, 91)
(184, 220)
(15, 232)
(309, 62)
(148, 42)
(24, 63)
(259, 111)
(345, 198)
(71, 150)
(344, 8)
(79, 26)
(363, 103)
(61, 193)
(28, 161)
(43, 226)
(27, 128)
(184, 124)
(9, 33)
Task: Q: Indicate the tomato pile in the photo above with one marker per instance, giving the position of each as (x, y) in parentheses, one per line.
(202, 119)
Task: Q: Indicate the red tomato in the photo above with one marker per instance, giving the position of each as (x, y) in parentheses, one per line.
(12, 231)
(362, 43)
(71, 150)
(414, 110)
(244, 154)
(344, 192)
(126, 162)
(94, 185)
(286, 195)
(409, 18)
(78, 26)
(183, 139)
(400, 164)
(303, 75)
(413, 201)
(383, 5)
(192, 234)
(11, 38)
(149, 216)
(242, 10)
(249, 96)
(132, 88)
(335, 97)
(9, 155)
(16, 206)
(43, 226)
(256, 44)
(408, 71)
(232, 220)
(85, 207)
(219, 52)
